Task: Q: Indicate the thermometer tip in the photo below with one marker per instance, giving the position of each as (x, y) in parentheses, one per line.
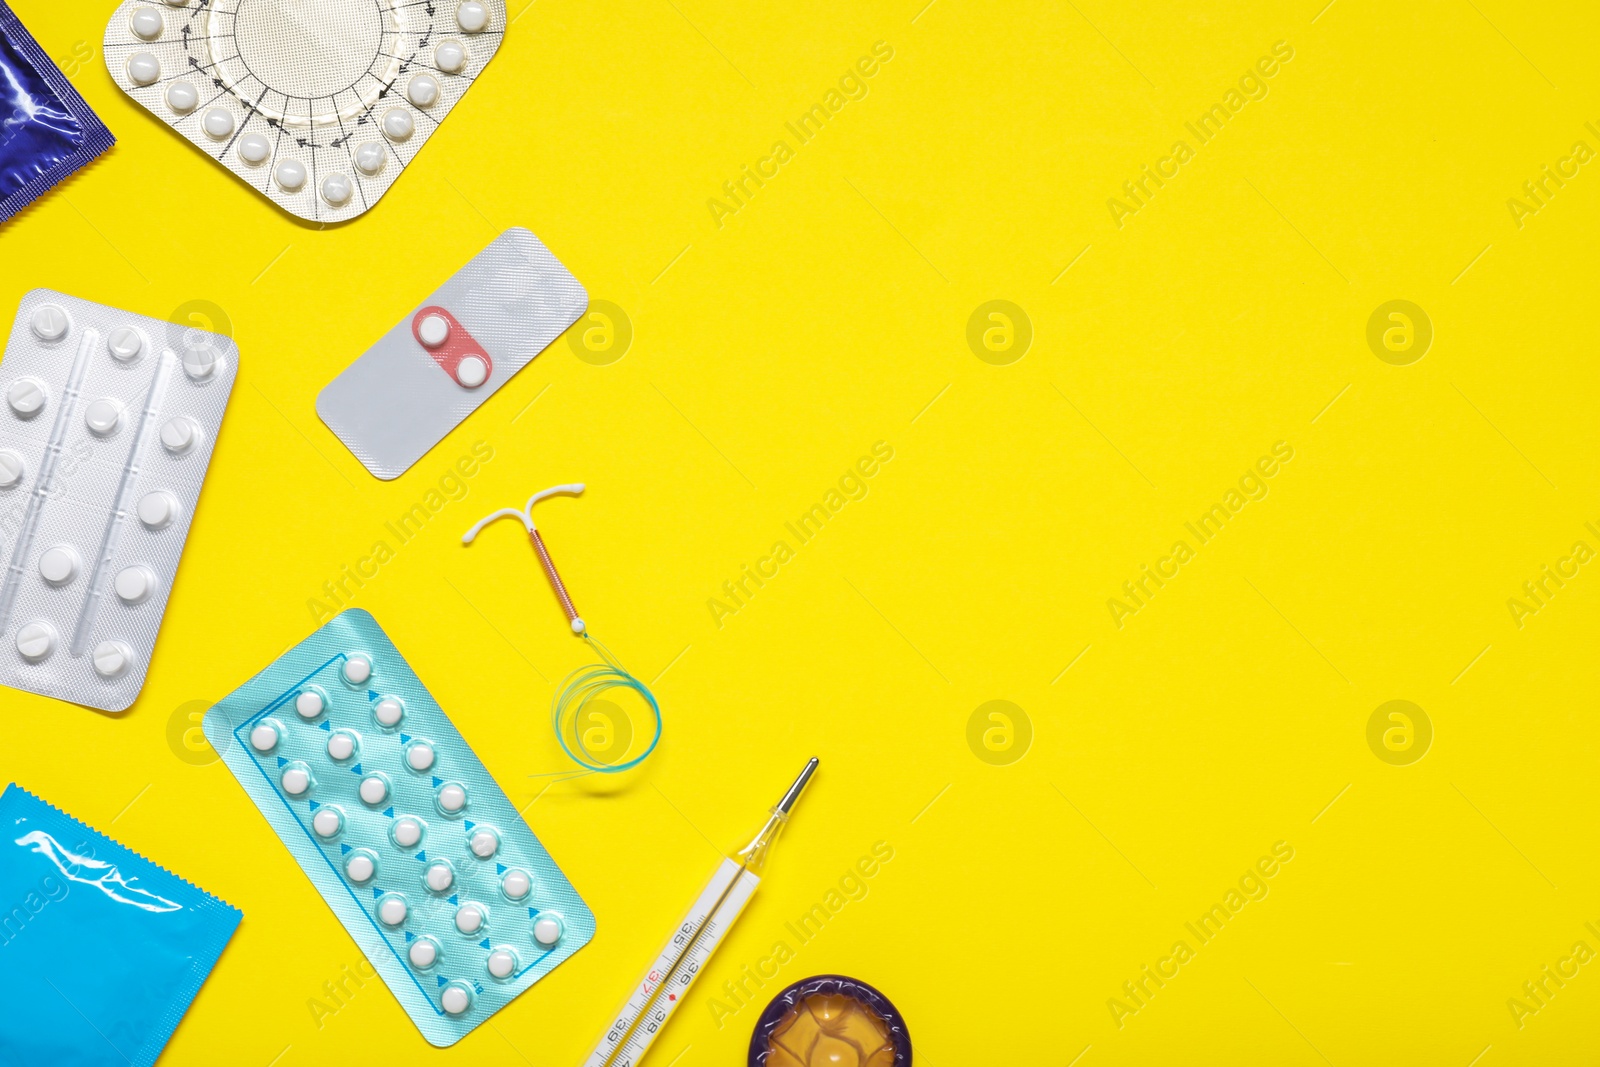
(799, 785)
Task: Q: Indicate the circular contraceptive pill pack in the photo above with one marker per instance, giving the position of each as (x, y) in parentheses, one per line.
(410, 841)
(107, 421)
(317, 104)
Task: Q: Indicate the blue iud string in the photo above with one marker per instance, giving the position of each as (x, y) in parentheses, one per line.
(582, 686)
(342, 712)
(586, 683)
(46, 130)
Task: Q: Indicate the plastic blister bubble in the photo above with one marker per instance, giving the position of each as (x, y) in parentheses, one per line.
(398, 867)
(107, 423)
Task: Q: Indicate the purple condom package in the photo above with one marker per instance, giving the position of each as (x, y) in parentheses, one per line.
(46, 130)
(101, 951)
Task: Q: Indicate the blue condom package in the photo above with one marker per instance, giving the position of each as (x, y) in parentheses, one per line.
(46, 130)
(101, 951)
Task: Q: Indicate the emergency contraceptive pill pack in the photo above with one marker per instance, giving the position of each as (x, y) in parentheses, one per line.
(451, 353)
(106, 428)
(399, 826)
(318, 104)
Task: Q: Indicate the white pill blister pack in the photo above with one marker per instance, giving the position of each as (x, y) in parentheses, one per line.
(317, 104)
(451, 353)
(107, 422)
(399, 826)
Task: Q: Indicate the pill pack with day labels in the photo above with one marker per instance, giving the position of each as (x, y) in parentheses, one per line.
(317, 104)
(399, 826)
(107, 422)
(451, 353)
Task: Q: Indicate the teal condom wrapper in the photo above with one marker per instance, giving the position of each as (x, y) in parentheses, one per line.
(101, 951)
(399, 826)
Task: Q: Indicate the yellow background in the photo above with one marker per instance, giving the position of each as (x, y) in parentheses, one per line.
(770, 353)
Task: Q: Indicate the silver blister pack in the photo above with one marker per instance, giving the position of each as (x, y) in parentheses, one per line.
(107, 422)
(317, 104)
(451, 353)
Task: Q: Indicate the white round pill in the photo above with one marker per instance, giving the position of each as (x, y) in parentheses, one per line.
(143, 68)
(452, 797)
(472, 16)
(158, 509)
(472, 371)
(419, 757)
(309, 704)
(423, 90)
(434, 330)
(254, 149)
(264, 738)
(516, 884)
(389, 711)
(357, 669)
(422, 953)
(27, 397)
(290, 174)
(147, 24)
(392, 911)
(439, 877)
(124, 343)
(450, 57)
(502, 963)
(218, 123)
(296, 781)
(455, 999)
(12, 468)
(547, 930)
(337, 188)
(199, 361)
(35, 641)
(374, 790)
(50, 323)
(58, 565)
(341, 746)
(371, 157)
(327, 822)
(398, 124)
(111, 658)
(179, 434)
(102, 416)
(484, 844)
(183, 97)
(133, 584)
(469, 918)
(407, 832)
(360, 868)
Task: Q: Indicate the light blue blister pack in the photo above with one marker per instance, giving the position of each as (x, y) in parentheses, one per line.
(399, 826)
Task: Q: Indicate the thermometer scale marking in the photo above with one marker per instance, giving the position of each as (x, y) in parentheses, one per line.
(677, 965)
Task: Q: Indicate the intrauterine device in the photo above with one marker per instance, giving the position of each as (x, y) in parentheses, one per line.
(451, 353)
(106, 430)
(317, 104)
(399, 826)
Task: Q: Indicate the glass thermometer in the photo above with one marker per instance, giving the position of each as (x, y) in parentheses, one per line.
(662, 989)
